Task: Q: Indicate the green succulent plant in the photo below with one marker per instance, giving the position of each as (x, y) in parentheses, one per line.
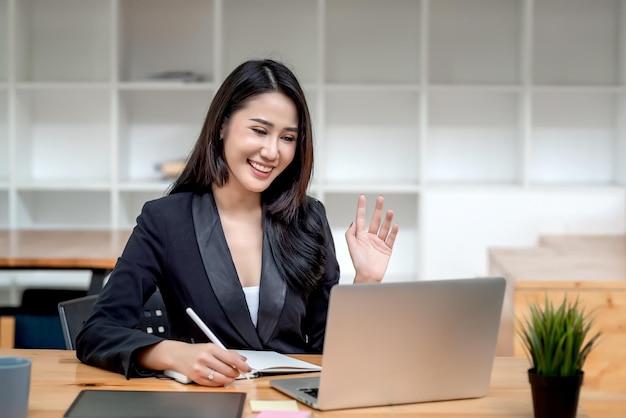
(557, 338)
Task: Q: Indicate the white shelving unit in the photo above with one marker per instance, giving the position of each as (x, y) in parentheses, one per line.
(450, 108)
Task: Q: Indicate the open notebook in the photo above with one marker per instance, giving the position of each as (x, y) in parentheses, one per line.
(271, 362)
(262, 363)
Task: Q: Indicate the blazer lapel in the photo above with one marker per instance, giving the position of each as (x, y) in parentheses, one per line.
(273, 292)
(220, 268)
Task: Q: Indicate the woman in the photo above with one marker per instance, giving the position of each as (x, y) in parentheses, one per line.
(238, 240)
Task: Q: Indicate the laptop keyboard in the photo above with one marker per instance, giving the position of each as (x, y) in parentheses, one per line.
(309, 391)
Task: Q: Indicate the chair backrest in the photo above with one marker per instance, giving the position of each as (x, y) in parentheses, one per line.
(35, 322)
(73, 314)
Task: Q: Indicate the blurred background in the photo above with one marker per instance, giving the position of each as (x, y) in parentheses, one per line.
(484, 123)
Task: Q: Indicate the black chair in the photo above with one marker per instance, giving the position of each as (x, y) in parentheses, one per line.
(35, 323)
(73, 314)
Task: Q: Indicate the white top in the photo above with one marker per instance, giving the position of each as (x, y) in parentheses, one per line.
(252, 299)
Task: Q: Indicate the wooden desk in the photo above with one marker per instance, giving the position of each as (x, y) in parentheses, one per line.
(592, 268)
(57, 377)
(63, 250)
(586, 244)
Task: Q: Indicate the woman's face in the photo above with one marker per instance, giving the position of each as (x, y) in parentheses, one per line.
(260, 141)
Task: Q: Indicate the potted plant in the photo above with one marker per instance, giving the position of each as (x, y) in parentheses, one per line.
(558, 341)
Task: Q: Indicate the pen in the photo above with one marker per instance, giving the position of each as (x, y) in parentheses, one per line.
(207, 331)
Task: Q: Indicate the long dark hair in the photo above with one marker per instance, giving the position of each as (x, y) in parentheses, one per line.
(294, 226)
(206, 164)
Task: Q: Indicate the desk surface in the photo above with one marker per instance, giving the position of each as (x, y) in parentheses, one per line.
(598, 244)
(61, 249)
(564, 258)
(58, 377)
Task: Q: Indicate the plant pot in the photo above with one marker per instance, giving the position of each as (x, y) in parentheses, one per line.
(555, 396)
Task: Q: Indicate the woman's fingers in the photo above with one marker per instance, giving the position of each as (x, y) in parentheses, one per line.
(376, 216)
(230, 363)
(382, 228)
(217, 367)
(386, 227)
(391, 238)
(215, 378)
(360, 215)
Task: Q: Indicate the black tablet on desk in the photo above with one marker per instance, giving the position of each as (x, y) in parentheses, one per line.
(156, 404)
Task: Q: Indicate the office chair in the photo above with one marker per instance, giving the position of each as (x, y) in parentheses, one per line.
(35, 322)
(73, 314)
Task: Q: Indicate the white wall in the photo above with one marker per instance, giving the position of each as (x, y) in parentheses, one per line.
(459, 225)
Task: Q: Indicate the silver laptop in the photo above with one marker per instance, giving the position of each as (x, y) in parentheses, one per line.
(397, 343)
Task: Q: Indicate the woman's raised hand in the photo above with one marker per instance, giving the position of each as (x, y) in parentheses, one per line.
(370, 249)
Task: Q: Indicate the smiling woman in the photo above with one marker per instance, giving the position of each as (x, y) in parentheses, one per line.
(259, 143)
(238, 240)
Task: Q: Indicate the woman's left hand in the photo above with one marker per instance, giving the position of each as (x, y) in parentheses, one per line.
(371, 249)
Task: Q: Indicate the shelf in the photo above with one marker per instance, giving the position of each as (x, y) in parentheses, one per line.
(583, 187)
(370, 187)
(63, 185)
(150, 186)
(371, 41)
(291, 37)
(576, 42)
(4, 137)
(374, 87)
(472, 184)
(162, 35)
(166, 85)
(4, 207)
(477, 88)
(55, 85)
(582, 88)
(57, 210)
(620, 147)
(574, 144)
(475, 42)
(431, 103)
(155, 127)
(131, 203)
(4, 41)
(381, 127)
(63, 137)
(54, 45)
(470, 143)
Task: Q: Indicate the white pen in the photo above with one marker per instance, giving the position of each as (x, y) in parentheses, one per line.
(207, 331)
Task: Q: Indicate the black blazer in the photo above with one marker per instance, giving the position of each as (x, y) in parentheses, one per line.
(178, 245)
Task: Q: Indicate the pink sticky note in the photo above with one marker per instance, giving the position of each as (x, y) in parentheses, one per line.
(284, 414)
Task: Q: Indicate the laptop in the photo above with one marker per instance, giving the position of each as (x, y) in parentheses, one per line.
(398, 343)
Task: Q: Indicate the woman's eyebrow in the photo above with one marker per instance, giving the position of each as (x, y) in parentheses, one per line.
(271, 125)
